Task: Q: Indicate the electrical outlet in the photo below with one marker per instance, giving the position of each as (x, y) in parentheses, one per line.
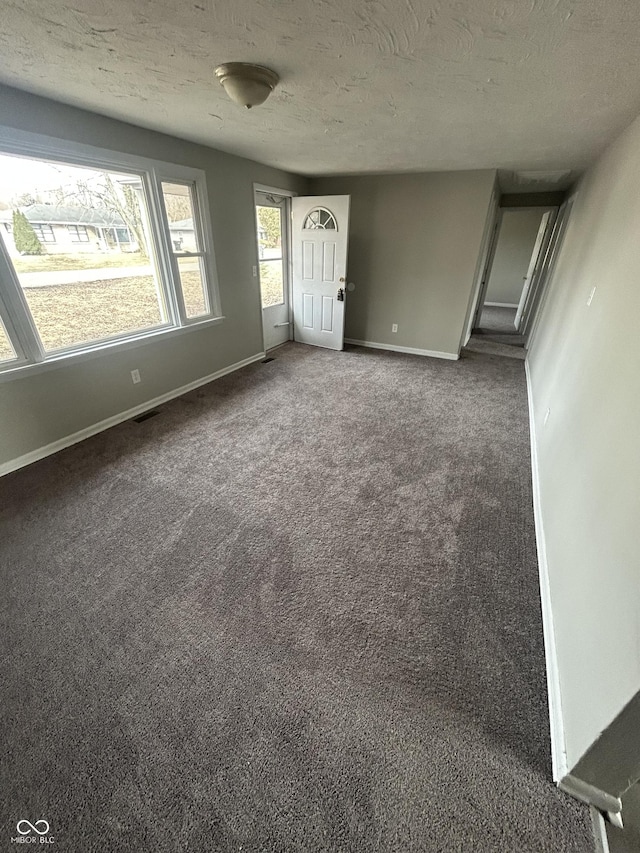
(591, 295)
(546, 416)
(135, 376)
(394, 327)
(255, 272)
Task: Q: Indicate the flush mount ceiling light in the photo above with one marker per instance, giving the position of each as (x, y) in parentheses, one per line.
(246, 84)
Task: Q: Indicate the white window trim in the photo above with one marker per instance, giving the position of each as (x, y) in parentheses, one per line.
(58, 360)
(173, 255)
(18, 321)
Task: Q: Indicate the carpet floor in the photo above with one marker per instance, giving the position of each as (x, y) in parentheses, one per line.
(496, 334)
(496, 319)
(297, 610)
(493, 346)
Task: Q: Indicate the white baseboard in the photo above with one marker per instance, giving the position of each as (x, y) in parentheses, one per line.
(75, 437)
(599, 831)
(501, 304)
(558, 741)
(452, 356)
(591, 795)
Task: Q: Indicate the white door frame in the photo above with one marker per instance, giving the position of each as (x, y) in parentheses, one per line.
(534, 270)
(483, 267)
(548, 267)
(488, 268)
(289, 194)
(486, 275)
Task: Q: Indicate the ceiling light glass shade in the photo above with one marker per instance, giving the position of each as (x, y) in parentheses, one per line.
(246, 84)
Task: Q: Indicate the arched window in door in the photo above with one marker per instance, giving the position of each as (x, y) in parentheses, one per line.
(320, 219)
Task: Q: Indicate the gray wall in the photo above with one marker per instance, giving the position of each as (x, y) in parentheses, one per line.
(47, 406)
(413, 250)
(584, 365)
(516, 238)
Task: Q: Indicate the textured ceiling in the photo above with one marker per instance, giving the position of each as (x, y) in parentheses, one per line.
(367, 85)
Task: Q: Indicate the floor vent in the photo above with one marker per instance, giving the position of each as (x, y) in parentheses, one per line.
(146, 416)
(267, 360)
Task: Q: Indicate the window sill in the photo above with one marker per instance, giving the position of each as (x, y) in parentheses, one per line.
(104, 348)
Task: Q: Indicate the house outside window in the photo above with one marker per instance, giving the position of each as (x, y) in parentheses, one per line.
(107, 248)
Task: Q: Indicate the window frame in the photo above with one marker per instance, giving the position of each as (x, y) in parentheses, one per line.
(78, 233)
(14, 310)
(174, 255)
(283, 245)
(44, 232)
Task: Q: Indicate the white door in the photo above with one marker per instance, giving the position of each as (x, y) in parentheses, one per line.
(273, 267)
(536, 302)
(320, 238)
(536, 258)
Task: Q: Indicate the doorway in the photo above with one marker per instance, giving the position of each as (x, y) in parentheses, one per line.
(273, 215)
(302, 244)
(512, 276)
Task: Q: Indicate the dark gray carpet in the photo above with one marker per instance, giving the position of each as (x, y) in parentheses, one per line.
(490, 346)
(496, 334)
(296, 611)
(496, 319)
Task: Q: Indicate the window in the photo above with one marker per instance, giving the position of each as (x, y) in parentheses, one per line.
(186, 246)
(7, 352)
(78, 233)
(44, 233)
(270, 232)
(320, 218)
(145, 264)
